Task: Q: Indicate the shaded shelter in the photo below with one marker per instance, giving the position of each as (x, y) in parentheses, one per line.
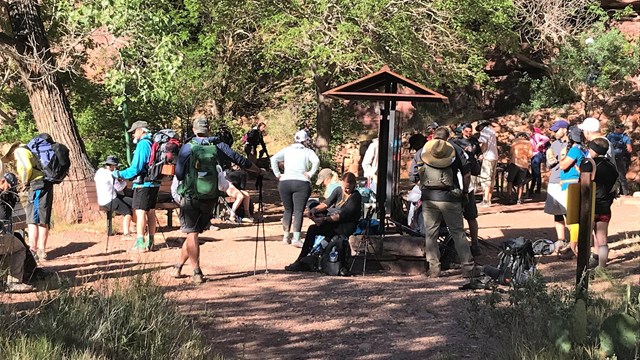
(382, 86)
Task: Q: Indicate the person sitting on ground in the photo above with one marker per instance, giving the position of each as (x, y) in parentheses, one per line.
(518, 169)
(606, 191)
(300, 164)
(338, 215)
(329, 179)
(10, 246)
(107, 190)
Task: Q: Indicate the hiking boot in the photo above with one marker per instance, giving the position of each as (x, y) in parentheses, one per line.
(297, 266)
(19, 288)
(593, 261)
(560, 245)
(198, 279)
(297, 243)
(42, 255)
(566, 254)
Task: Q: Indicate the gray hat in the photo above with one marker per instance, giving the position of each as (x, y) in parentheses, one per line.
(111, 160)
(200, 125)
(138, 125)
(11, 178)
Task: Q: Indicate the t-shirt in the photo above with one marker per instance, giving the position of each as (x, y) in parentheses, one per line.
(350, 210)
(488, 137)
(521, 153)
(106, 187)
(606, 176)
(572, 174)
(556, 149)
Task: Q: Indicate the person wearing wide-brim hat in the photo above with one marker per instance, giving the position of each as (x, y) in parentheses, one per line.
(109, 192)
(436, 167)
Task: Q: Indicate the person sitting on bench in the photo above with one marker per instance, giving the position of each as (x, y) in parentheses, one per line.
(109, 193)
(338, 215)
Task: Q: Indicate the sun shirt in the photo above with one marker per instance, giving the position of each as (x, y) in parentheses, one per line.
(572, 174)
(488, 136)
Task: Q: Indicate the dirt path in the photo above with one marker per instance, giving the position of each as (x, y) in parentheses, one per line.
(306, 315)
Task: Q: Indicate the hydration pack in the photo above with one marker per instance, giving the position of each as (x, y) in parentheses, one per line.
(201, 179)
(432, 178)
(516, 264)
(164, 155)
(53, 158)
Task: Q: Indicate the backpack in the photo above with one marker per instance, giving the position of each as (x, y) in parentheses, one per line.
(164, 155)
(516, 262)
(201, 179)
(432, 178)
(334, 258)
(53, 158)
(618, 145)
(252, 137)
(472, 160)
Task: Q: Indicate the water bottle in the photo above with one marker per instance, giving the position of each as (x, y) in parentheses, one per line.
(319, 244)
(333, 266)
(333, 255)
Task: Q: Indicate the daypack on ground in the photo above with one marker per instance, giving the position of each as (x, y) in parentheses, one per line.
(334, 259)
(53, 158)
(516, 263)
(432, 178)
(201, 179)
(164, 155)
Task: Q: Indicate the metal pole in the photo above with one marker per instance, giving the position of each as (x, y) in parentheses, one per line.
(587, 168)
(383, 154)
(127, 140)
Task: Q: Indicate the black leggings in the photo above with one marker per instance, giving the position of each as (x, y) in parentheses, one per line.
(326, 229)
(294, 195)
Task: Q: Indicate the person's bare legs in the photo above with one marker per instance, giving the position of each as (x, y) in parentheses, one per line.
(560, 230)
(600, 242)
(246, 202)
(33, 236)
(43, 236)
(191, 251)
(126, 223)
(520, 190)
(488, 189)
(141, 224)
(152, 222)
(473, 231)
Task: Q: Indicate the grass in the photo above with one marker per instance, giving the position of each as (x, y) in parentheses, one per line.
(132, 321)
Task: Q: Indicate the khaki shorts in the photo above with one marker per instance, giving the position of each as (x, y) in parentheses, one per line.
(487, 175)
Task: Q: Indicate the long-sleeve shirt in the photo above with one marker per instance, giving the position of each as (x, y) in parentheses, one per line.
(107, 186)
(298, 159)
(538, 142)
(225, 153)
(26, 165)
(370, 160)
(139, 163)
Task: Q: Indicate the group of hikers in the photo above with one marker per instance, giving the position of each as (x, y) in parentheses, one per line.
(446, 167)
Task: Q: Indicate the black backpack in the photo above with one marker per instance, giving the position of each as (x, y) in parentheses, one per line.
(334, 259)
(516, 263)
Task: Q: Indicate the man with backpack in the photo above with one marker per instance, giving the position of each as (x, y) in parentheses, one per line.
(145, 192)
(622, 149)
(436, 167)
(252, 139)
(196, 169)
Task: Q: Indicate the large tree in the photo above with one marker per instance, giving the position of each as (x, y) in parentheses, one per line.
(26, 50)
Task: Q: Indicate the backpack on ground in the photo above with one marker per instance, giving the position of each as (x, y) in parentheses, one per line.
(53, 158)
(201, 179)
(516, 263)
(335, 257)
(164, 155)
(432, 178)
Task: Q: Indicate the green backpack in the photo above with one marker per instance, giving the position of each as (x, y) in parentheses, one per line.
(201, 180)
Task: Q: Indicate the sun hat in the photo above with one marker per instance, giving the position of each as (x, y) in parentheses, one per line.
(301, 136)
(438, 153)
(200, 125)
(323, 175)
(138, 125)
(111, 160)
(575, 134)
(559, 124)
(7, 149)
(590, 124)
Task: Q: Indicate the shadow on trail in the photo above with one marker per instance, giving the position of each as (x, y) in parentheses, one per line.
(70, 248)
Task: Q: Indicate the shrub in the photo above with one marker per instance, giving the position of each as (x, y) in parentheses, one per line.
(133, 321)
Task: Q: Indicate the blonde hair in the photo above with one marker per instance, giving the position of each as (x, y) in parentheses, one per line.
(334, 178)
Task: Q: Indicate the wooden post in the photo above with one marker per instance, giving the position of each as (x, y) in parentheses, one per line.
(587, 172)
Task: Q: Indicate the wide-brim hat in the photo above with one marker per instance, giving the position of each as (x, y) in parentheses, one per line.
(7, 149)
(138, 125)
(438, 153)
(111, 160)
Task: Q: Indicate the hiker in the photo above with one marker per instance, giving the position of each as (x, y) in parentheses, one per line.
(145, 192)
(518, 169)
(329, 179)
(252, 139)
(570, 173)
(40, 194)
(337, 215)
(294, 186)
(196, 168)
(489, 157)
(436, 167)
(538, 144)
(431, 129)
(605, 178)
(556, 201)
(591, 130)
(110, 196)
(11, 247)
(622, 150)
(241, 197)
(370, 164)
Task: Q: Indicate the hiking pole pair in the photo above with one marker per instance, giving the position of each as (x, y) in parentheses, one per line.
(260, 221)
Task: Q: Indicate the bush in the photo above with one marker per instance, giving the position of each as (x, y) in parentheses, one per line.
(134, 321)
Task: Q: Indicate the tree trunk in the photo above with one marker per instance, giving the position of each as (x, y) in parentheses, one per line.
(323, 116)
(51, 109)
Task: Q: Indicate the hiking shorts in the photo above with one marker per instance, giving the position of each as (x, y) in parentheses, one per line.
(487, 175)
(470, 209)
(517, 176)
(601, 218)
(556, 202)
(120, 205)
(145, 198)
(196, 215)
(40, 204)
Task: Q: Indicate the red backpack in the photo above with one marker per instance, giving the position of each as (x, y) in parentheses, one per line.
(164, 155)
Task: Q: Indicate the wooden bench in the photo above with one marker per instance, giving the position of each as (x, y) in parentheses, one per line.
(165, 202)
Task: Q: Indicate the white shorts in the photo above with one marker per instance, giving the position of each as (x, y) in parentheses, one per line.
(556, 202)
(487, 175)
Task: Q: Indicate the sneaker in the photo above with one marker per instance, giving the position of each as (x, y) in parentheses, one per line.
(213, 228)
(198, 279)
(286, 240)
(19, 288)
(519, 202)
(485, 204)
(297, 244)
(247, 220)
(42, 255)
(34, 254)
(593, 261)
(127, 237)
(148, 244)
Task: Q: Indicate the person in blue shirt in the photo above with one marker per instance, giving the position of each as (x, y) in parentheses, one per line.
(145, 193)
(622, 149)
(196, 214)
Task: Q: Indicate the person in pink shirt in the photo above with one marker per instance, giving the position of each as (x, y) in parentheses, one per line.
(539, 145)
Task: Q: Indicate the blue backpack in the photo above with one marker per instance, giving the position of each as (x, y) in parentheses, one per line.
(53, 158)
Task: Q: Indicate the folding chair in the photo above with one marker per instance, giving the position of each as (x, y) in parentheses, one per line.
(365, 242)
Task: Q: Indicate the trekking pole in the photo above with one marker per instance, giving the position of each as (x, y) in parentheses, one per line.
(258, 222)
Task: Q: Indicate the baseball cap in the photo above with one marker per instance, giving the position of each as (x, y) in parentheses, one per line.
(323, 175)
(301, 136)
(137, 125)
(575, 134)
(559, 124)
(11, 178)
(201, 125)
(434, 125)
(590, 124)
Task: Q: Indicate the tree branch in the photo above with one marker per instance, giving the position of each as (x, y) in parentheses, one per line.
(533, 63)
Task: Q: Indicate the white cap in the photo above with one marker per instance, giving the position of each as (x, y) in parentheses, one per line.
(590, 124)
(301, 136)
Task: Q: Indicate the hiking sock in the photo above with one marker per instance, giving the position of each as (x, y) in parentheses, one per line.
(296, 236)
(603, 255)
